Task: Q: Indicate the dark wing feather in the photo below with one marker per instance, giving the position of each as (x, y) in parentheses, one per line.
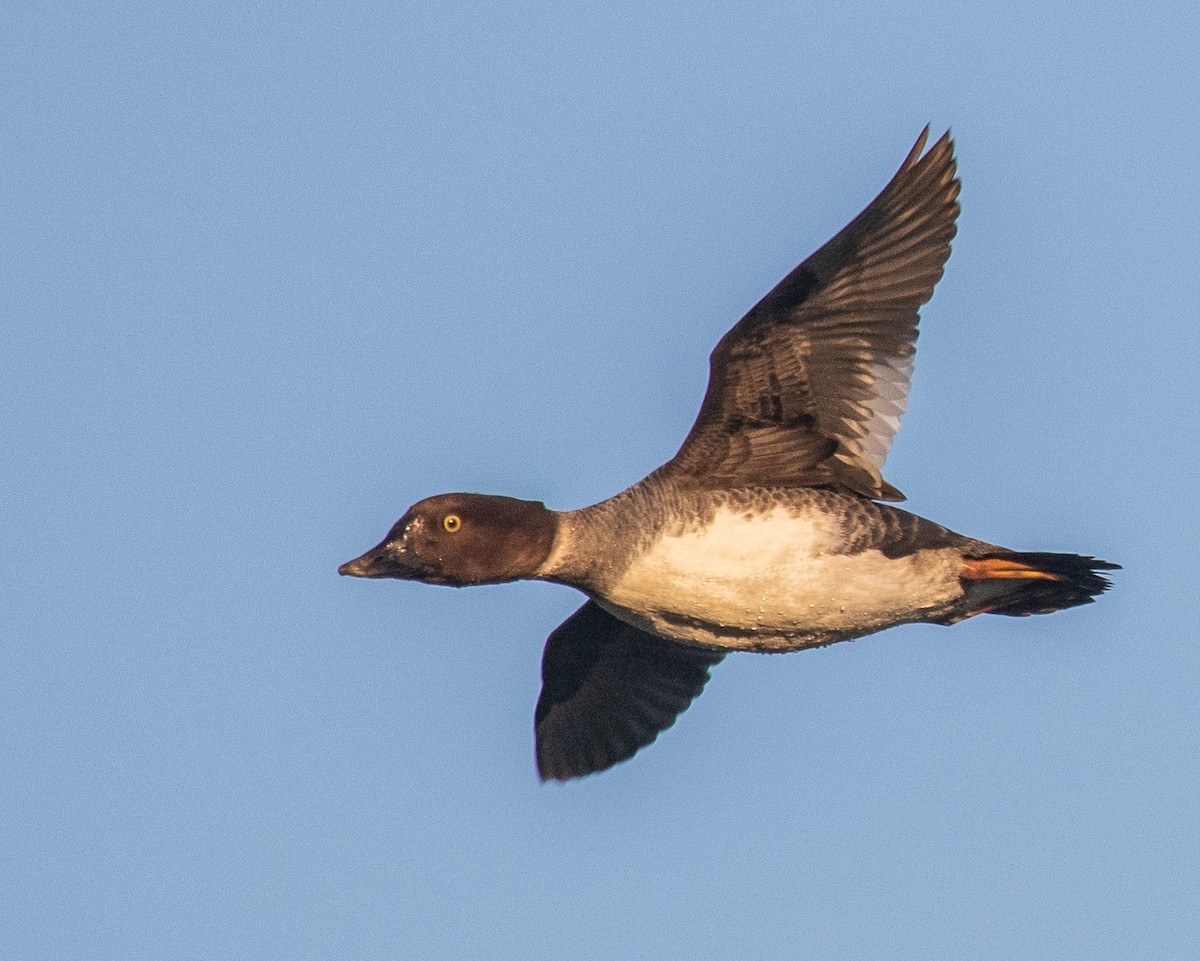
(809, 386)
(607, 690)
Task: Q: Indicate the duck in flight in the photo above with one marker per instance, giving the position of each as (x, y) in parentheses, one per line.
(767, 530)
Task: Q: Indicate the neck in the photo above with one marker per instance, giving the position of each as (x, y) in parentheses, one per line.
(594, 545)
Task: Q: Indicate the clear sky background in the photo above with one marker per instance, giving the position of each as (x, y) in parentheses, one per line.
(273, 271)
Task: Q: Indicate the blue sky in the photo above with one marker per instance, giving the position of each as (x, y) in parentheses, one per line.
(274, 271)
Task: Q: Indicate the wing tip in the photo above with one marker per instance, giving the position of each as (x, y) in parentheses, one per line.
(918, 148)
(941, 155)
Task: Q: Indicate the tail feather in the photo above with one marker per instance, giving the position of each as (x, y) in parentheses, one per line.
(1021, 583)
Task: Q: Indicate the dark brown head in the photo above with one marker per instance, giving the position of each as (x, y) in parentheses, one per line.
(462, 539)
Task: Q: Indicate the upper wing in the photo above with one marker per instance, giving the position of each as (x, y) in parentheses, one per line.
(607, 690)
(809, 386)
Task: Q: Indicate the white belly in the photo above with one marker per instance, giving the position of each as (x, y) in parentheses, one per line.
(772, 582)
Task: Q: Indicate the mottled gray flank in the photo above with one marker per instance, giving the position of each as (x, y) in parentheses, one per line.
(597, 543)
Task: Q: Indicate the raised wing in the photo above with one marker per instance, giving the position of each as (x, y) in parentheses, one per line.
(809, 386)
(607, 690)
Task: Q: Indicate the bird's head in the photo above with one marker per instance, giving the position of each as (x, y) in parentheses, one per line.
(462, 539)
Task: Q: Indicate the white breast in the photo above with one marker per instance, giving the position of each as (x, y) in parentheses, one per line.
(774, 581)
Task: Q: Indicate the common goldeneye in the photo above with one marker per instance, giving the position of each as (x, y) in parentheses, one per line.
(765, 532)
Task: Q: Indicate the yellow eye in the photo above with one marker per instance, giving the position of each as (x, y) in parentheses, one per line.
(452, 522)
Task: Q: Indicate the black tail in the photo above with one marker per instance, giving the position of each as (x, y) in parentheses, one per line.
(1019, 584)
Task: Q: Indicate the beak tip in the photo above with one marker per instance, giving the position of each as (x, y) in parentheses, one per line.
(376, 563)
